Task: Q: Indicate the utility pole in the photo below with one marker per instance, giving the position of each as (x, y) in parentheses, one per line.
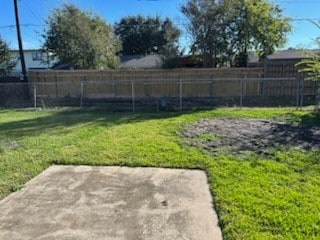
(23, 64)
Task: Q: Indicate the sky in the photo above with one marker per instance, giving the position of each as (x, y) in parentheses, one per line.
(33, 14)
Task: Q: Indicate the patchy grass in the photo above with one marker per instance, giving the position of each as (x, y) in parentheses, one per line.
(274, 197)
(207, 137)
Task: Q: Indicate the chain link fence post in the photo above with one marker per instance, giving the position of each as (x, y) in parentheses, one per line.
(180, 92)
(133, 97)
(81, 94)
(297, 93)
(114, 86)
(302, 93)
(241, 91)
(211, 85)
(300, 86)
(56, 84)
(35, 95)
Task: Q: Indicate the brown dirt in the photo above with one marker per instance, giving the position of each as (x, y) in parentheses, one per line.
(238, 135)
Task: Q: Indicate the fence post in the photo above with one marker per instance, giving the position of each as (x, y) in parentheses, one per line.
(133, 97)
(81, 94)
(56, 84)
(241, 91)
(35, 96)
(263, 87)
(145, 84)
(114, 86)
(297, 93)
(302, 92)
(211, 79)
(180, 92)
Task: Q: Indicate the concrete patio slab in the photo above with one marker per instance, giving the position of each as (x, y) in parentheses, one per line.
(82, 202)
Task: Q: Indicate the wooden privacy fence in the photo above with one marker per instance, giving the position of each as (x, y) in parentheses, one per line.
(166, 83)
(142, 74)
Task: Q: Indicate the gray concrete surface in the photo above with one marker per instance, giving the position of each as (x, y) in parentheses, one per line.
(81, 202)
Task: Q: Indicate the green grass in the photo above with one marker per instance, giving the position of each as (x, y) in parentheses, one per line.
(207, 137)
(275, 197)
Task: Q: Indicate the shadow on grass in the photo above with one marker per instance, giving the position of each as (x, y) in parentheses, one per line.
(312, 119)
(60, 121)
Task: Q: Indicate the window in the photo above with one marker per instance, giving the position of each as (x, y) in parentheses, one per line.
(37, 56)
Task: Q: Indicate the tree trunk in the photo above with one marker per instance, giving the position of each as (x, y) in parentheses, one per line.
(209, 61)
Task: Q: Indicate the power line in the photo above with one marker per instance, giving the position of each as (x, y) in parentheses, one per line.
(36, 15)
(23, 25)
(304, 19)
(128, 25)
(146, 25)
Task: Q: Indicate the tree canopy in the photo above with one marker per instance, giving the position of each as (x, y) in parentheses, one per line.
(7, 61)
(225, 31)
(81, 38)
(146, 35)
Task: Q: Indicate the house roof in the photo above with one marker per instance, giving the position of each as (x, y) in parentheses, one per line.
(292, 54)
(26, 50)
(140, 61)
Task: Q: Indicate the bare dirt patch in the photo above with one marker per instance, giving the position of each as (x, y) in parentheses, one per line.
(238, 135)
(9, 145)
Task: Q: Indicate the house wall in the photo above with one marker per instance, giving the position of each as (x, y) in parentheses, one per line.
(33, 59)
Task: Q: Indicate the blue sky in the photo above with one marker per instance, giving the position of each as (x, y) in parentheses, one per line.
(34, 12)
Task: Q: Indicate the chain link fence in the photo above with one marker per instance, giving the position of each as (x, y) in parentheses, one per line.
(159, 94)
(15, 95)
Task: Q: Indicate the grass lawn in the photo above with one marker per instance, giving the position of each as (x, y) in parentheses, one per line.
(275, 197)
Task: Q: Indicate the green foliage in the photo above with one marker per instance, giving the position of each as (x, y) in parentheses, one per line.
(207, 25)
(311, 66)
(170, 56)
(81, 39)
(207, 137)
(146, 35)
(261, 28)
(7, 62)
(225, 31)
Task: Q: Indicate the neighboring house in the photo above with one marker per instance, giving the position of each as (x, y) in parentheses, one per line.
(34, 59)
(282, 63)
(191, 61)
(140, 61)
(126, 62)
(290, 56)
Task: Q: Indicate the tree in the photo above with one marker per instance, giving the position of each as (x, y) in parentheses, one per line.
(81, 38)
(170, 57)
(311, 66)
(146, 35)
(170, 52)
(7, 62)
(207, 27)
(225, 31)
(261, 28)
